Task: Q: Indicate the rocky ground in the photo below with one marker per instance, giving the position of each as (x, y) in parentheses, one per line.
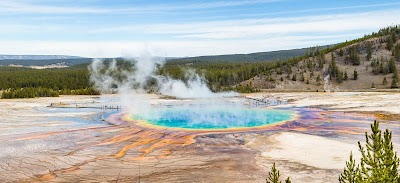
(42, 144)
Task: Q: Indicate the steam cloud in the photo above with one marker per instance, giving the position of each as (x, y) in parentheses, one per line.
(327, 83)
(136, 81)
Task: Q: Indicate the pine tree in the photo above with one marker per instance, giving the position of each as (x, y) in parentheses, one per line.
(341, 52)
(379, 162)
(355, 75)
(273, 176)
(397, 52)
(302, 78)
(395, 81)
(346, 77)
(386, 69)
(3, 95)
(351, 173)
(389, 44)
(391, 161)
(339, 77)
(384, 82)
(391, 66)
(394, 36)
(320, 63)
(294, 78)
(333, 68)
(354, 57)
(381, 68)
(369, 52)
(318, 80)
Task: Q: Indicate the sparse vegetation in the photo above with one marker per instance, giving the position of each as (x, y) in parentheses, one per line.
(379, 161)
(384, 82)
(355, 74)
(354, 55)
(395, 80)
(274, 176)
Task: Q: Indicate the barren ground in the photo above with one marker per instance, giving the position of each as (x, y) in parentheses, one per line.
(42, 144)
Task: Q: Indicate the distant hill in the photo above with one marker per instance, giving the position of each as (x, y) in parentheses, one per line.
(367, 63)
(251, 57)
(44, 62)
(37, 57)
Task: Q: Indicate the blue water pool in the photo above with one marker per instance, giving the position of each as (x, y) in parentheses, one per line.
(205, 117)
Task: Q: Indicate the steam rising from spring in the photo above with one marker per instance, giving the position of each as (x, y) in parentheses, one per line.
(327, 83)
(141, 77)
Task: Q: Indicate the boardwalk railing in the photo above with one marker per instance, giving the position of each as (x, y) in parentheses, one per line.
(76, 106)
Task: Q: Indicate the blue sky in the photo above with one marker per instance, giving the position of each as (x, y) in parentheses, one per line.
(111, 28)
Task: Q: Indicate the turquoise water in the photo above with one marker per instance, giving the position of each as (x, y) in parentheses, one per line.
(221, 117)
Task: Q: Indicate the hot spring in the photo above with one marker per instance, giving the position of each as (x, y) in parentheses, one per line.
(199, 107)
(205, 117)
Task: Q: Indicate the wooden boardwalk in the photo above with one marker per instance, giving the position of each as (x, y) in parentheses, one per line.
(265, 101)
(76, 106)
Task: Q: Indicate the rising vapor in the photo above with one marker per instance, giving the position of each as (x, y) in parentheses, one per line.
(141, 77)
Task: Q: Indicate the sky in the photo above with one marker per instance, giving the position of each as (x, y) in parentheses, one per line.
(119, 28)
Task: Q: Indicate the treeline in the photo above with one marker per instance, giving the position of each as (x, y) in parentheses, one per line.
(57, 79)
(30, 83)
(82, 91)
(252, 57)
(30, 92)
(228, 75)
(243, 89)
(382, 32)
(43, 62)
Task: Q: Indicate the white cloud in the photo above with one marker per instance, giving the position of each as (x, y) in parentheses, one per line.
(12, 6)
(8, 6)
(200, 38)
(251, 28)
(226, 29)
(165, 48)
(321, 9)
